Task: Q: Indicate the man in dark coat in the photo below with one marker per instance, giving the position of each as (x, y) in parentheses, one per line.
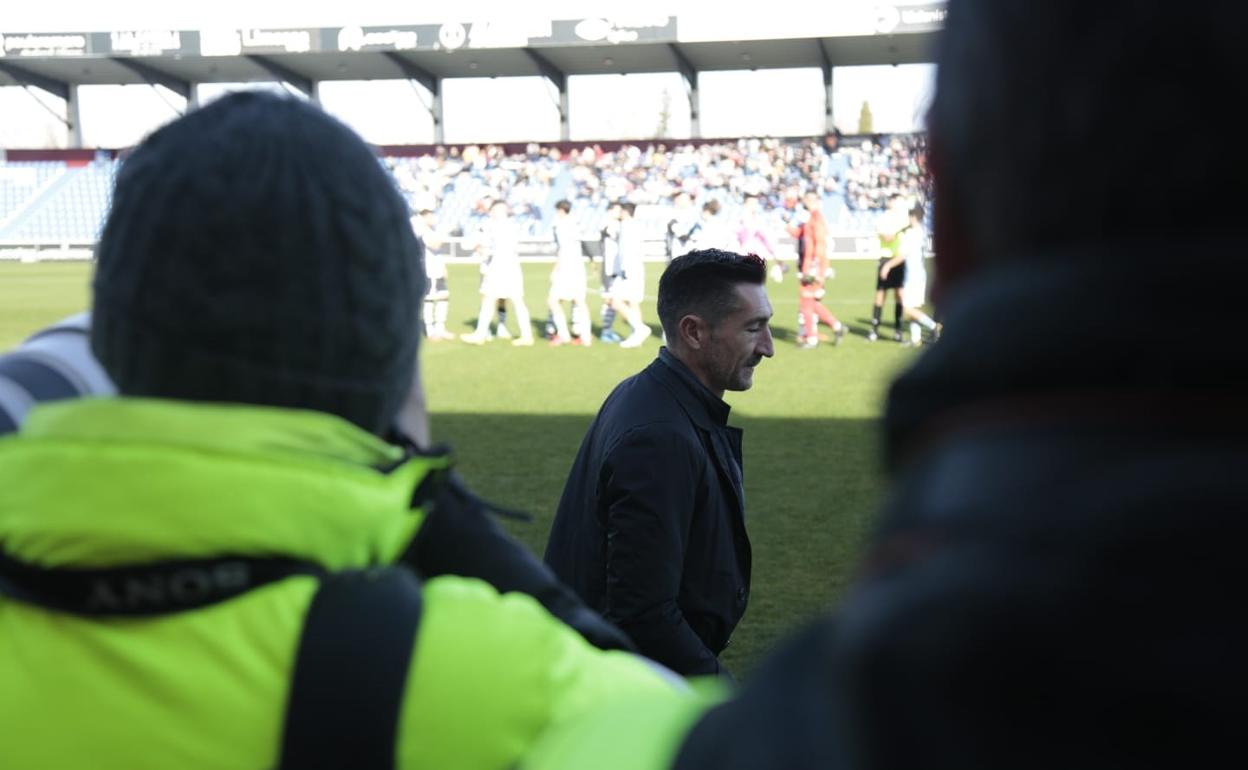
(650, 530)
(1057, 579)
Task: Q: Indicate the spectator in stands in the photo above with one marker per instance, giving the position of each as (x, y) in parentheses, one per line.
(222, 537)
(1056, 577)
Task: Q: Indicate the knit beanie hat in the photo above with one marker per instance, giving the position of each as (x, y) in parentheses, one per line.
(256, 252)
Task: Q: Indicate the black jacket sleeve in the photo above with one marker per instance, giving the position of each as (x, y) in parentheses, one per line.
(460, 537)
(648, 517)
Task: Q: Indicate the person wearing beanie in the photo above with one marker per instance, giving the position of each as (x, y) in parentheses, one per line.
(212, 569)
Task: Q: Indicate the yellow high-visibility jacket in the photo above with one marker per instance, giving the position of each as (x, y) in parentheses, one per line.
(97, 483)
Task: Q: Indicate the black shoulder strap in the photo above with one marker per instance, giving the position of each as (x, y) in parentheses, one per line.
(351, 671)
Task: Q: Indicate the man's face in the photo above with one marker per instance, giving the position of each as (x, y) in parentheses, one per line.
(740, 341)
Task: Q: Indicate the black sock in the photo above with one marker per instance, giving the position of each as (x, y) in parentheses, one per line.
(897, 316)
(608, 317)
(875, 316)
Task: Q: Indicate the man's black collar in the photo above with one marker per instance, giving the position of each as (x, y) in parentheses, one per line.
(699, 401)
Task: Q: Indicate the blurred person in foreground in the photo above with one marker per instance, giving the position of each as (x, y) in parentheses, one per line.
(211, 570)
(650, 530)
(1057, 579)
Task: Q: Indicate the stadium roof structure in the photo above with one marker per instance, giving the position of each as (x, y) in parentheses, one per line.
(303, 57)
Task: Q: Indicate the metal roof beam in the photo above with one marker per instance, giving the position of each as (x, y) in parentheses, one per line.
(548, 70)
(155, 76)
(825, 62)
(286, 74)
(413, 71)
(57, 88)
(684, 66)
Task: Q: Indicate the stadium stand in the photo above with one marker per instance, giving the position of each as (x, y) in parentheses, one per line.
(20, 183)
(71, 208)
(49, 201)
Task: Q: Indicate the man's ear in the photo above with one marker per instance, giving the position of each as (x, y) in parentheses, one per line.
(955, 255)
(694, 332)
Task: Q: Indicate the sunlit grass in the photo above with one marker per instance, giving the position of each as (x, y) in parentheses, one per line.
(516, 416)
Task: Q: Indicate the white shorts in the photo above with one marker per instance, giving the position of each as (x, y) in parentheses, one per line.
(914, 292)
(568, 284)
(629, 289)
(503, 282)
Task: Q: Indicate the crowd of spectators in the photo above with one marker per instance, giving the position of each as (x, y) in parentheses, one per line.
(472, 178)
(855, 176)
(876, 170)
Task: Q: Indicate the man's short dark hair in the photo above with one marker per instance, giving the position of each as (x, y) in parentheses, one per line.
(703, 283)
(565, 206)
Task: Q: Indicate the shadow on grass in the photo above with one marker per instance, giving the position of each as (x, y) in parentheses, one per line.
(812, 486)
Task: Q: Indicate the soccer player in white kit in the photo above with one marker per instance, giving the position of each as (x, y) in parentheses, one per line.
(911, 251)
(501, 277)
(568, 282)
(437, 293)
(630, 287)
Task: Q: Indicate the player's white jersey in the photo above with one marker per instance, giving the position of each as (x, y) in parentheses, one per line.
(568, 243)
(913, 248)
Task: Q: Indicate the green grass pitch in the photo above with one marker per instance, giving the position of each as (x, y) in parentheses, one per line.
(515, 417)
